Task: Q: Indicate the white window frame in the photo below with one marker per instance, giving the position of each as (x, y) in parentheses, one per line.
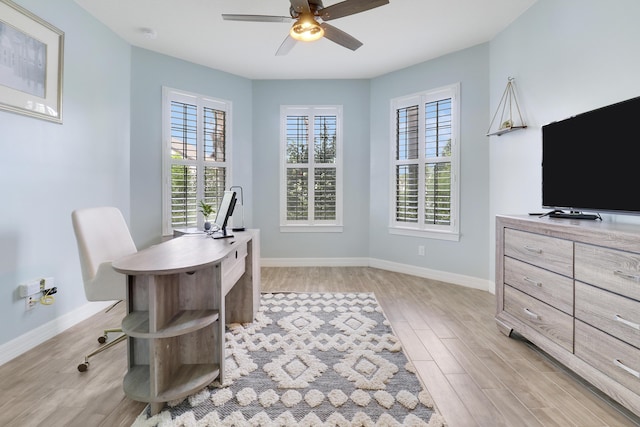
(421, 229)
(310, 225)
(201, 101)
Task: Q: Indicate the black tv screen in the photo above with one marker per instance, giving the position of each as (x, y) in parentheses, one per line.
(591, 161)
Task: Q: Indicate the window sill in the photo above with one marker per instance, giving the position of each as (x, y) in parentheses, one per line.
(311, 228)
(427, 234)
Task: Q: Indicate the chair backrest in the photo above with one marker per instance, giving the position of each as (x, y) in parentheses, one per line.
(102, 236)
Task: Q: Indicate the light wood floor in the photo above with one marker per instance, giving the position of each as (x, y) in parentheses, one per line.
(476, 375)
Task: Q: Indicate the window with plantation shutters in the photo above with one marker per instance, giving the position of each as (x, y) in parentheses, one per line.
(425, 162)
(311, 188)
(196, 157)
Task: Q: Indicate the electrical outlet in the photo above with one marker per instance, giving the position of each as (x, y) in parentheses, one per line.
(30, 288)
(35, 286)
(421, 250)
(30, 303)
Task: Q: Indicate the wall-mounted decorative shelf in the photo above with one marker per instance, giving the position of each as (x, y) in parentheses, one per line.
(506, 130)
(508, 103)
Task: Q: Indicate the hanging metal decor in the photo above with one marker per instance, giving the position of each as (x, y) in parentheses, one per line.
(506, 108)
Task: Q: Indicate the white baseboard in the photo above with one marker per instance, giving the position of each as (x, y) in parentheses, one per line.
(427, 273)
(314, 262)
(37, 336)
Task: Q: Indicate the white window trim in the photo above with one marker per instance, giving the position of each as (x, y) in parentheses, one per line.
(439, 232)
(168, 95)
(310, 226)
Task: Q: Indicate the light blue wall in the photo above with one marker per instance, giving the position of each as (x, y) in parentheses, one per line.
(568, 57)
(469, 256)
(149, 72)
(48, 169)
(353, 95)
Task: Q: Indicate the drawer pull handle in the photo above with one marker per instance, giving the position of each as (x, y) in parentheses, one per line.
(624, 321)
(531, 314)
(620, 273)
(533, 282)
(621, 365)
(534, 250)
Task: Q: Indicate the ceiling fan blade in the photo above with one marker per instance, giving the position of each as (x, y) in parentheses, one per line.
(349, 7)
(288, 44)
(301, 6)
(338, 36)
(255, 18)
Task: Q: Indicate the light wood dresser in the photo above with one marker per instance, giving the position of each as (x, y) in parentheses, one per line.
(572, 287)
(180, 293)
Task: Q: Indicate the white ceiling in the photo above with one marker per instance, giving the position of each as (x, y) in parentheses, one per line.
(396, 35)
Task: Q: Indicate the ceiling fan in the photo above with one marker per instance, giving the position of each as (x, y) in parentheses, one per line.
(306, 13)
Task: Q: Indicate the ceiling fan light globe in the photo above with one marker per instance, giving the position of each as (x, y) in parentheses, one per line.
(306, 29)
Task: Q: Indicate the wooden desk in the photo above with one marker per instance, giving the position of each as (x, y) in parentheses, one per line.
(180, 294)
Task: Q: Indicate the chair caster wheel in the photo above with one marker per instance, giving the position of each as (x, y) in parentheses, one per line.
(83, 367)
(102, 339)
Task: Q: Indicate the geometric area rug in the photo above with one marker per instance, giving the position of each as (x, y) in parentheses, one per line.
(309, 359)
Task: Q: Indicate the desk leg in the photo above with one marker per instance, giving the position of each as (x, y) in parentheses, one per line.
(243, 299)
(219, 335)
(156, 407)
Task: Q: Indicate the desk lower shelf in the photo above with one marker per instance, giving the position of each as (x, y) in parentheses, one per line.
(186, 380)
(136, 324)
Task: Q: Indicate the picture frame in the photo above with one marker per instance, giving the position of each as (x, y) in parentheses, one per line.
(31, 64)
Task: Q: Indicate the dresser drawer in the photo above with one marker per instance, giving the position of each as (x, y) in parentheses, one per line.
(547, 252)
(233, 267)
(610, 269)
(611, 356)
(552, 288)
(550, 322)
(609, 312)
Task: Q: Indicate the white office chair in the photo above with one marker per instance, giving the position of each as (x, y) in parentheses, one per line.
(102, 236)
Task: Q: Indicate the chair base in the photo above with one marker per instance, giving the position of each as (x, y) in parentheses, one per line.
(85, 366)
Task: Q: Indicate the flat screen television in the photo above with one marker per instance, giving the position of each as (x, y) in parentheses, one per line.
(591, 161)
(225, 210)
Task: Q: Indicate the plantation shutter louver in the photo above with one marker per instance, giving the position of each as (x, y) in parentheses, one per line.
(311, 166)
(424, 186)
(198, 157)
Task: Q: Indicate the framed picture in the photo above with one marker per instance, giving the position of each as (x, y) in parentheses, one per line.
(31, 59)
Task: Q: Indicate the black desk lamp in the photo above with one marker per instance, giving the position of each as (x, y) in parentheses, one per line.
(241, 228)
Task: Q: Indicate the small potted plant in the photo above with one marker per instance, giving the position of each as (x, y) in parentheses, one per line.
(206, 210)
